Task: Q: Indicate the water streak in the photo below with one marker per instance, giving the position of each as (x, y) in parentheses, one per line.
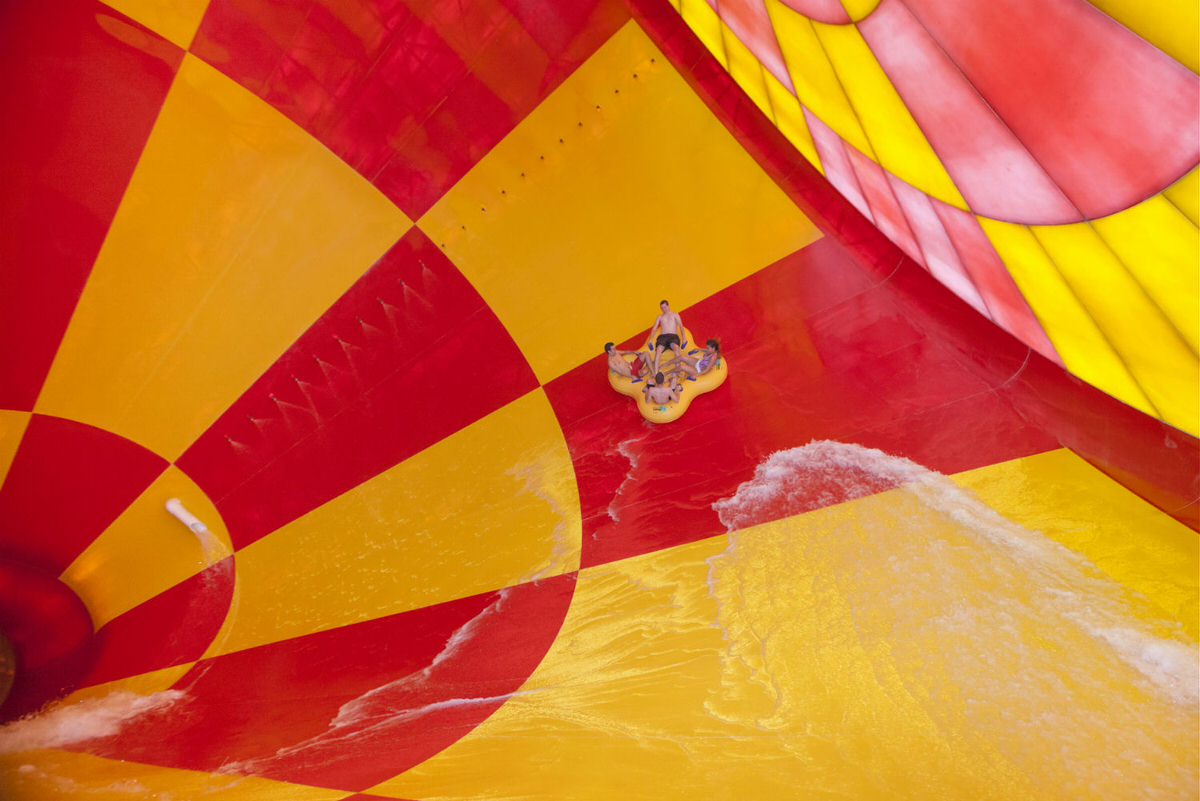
(410, 293)
(384, 707)
(633, 455)
(68, 724)
(287, 411)
(393, 314)
(542, 476)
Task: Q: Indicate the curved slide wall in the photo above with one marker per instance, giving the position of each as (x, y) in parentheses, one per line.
(1038, 158)
(337, 276)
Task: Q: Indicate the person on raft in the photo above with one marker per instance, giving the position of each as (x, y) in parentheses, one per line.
(660, 392)
(637, 369)
(698, 366)
(666, 333)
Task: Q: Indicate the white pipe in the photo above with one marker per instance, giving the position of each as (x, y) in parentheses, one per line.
(175, 507)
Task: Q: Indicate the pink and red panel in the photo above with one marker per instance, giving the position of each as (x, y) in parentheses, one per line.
(938, 253)
(749, 21)
(1111, 118)
(885, 208)
(835, 161)
(1006, 304)
(993, 170)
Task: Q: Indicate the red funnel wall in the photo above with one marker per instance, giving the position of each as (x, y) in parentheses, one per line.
(337, 276)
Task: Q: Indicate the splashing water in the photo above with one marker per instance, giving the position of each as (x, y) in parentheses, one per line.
(999, 637)
(817, 475)
(90, 718)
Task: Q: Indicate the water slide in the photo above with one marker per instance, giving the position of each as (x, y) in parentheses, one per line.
(314, 486)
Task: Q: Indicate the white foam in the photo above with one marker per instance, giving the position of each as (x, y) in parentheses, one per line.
(1170, 664)
(819, 473)
(1041, 650)
(83, 720)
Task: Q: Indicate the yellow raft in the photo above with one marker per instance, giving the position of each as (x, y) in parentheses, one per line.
(691, 387)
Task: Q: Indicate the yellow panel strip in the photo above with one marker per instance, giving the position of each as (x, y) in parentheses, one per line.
(779, 103)
(898, 144)
(616, 192)
(174, 20)
(789, 118)
(12, 430)
(1161, 248)
(817, 83)
(146, 550)
(1076, 337)
(237, 231)
(1185, 195)
(705, 23)
(1171, 26)
(747, 71)
(402, 541)
(1157, 356)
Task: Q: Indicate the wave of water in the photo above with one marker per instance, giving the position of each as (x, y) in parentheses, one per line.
(1002, 634)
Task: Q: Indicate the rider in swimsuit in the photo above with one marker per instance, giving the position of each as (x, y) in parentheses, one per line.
(659, 391)
(698, 367)
(666, 333)
(637, 369)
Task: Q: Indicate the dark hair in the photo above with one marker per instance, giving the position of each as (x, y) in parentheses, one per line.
(714, 344)
(659, 378)
(607, 346)
(661, 302)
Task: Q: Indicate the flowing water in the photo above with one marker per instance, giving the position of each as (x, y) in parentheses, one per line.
(867, 629)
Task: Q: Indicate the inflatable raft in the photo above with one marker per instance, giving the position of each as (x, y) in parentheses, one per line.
(690, 387)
